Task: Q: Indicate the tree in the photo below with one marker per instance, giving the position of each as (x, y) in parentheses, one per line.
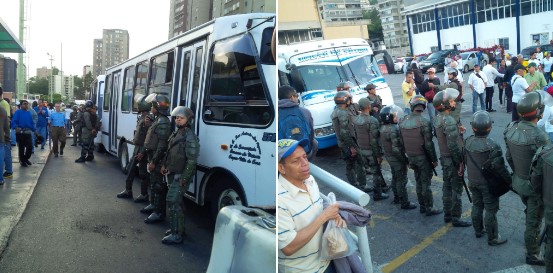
(375, 27)
(38, 86)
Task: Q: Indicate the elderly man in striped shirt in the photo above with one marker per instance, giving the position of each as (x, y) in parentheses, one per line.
(301, 215)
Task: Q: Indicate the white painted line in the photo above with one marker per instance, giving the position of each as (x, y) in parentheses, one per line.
(518, 269)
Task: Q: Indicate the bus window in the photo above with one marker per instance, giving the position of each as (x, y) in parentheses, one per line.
(196, 82)
(185, 71)
(236, 93)
(162, 73)
(140, 83)
(128, 83)
(266, 55)
(107, 93)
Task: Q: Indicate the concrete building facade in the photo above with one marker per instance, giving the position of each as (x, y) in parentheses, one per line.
(308, 20)
(86, 69)
(188, 14)
(394, 26)
(8, 74)
(112, 49)
(43, 72)
(230, 7)
(514, 24)
(63, 86)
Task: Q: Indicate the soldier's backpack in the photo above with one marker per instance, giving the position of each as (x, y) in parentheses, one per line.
(293, 125)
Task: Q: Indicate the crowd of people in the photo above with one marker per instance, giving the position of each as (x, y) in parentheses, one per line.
(367, 133)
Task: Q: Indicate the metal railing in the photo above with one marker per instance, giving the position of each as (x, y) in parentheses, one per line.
(339, 186)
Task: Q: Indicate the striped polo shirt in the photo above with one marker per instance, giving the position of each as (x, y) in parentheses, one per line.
(296, 210)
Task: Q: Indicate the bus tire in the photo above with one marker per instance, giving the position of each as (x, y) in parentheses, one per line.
(225, 193)
(123, 155)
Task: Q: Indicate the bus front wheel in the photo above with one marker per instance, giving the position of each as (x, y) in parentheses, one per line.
(225, 194)
(124, 157)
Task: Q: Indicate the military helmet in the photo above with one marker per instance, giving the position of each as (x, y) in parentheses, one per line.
(453, 71)
(88, 104)
(342, 97)
(182, 111)
(160, 102)
(530, 106)
(417, 100)
(142, 104)
(75, 107)
(364, 103)
(388, 113)
(343, 86)
(481, 123)
(442, 98)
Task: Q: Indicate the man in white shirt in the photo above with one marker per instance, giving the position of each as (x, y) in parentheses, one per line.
(491, 74)
(539, 54)
(520, 87)
(547, 119)
(300, 212)
(547, 63)
(477, 83)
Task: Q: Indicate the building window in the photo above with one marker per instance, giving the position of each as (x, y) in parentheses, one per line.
(504, 42)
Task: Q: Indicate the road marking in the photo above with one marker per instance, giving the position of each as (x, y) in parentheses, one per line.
(406, 256)
(518, 269)
(379, 217)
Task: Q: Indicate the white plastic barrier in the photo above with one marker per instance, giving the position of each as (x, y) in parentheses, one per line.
(343, 188)
(244, 242)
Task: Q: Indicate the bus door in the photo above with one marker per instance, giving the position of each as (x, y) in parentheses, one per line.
(191, 77)
(113, 110)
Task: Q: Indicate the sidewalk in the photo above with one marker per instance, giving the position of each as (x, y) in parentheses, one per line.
(16, 191)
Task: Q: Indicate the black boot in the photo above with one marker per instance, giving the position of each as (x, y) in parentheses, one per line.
(461, 223)
(430, 212)
(89, 158)
(80, 159)
(126, 194)
(408, 205)
(148, 209)
(381, 196)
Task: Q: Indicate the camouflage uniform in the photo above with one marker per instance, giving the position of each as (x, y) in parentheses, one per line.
(395, 155)
(156, 146)
(485, 152)
(523, 138)
(368, 141)
(542, 167)
(416, 133)
(180, 161)
(343, 127)
(450, 143)
(90, 123)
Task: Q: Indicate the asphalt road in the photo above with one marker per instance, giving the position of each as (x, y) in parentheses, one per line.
(406, 241)
(74, 223)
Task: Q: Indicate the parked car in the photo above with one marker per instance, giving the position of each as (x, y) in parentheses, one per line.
(422, 58)
(468, 60)
(529, 50)
(436, 60)
(401, 62)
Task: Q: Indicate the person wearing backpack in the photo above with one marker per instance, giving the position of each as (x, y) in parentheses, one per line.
(295, 122)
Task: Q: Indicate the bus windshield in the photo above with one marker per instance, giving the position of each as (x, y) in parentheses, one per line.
(317, 77)
(362, 70)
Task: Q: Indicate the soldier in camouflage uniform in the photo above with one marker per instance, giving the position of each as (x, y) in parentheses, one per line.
(450, 141)
(343, 126)
(394, 151)
(542, 167)
(416, 133)
(455, 84)
(368, 141)
(89, 130)
(375, 100)
(156, 145)
(179, 166)
(144, 122)
(484, 151)
(523, 138)
(77, 126)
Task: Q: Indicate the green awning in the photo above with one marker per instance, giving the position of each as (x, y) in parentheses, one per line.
(8, 42)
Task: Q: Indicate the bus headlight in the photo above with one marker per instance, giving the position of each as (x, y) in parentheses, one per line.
(324, 131)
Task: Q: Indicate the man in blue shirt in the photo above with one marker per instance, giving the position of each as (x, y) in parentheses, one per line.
(43, 115)
(24, 126)
(57, 127)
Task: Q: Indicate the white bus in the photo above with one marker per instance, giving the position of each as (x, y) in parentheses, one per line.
(225, 72)
(316, 68)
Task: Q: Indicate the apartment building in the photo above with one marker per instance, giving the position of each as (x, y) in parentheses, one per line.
(112, 49)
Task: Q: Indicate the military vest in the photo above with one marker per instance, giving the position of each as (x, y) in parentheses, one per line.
(479, 148)
(338, 117)
(140, 131)
(547, 173)
(411, 132)
(439, 127)
(523, 139)
(152, 137)
(362, 126)
(386, 139)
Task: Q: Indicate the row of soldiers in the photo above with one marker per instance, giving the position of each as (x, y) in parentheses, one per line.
(406, 141)
(165, 162)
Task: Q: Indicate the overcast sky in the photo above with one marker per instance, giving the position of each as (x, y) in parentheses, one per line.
(76, 23)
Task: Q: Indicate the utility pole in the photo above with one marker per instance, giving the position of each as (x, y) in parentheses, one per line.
(21, 77)
(51, 82)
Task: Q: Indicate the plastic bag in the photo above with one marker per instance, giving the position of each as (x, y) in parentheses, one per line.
(337, 242)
